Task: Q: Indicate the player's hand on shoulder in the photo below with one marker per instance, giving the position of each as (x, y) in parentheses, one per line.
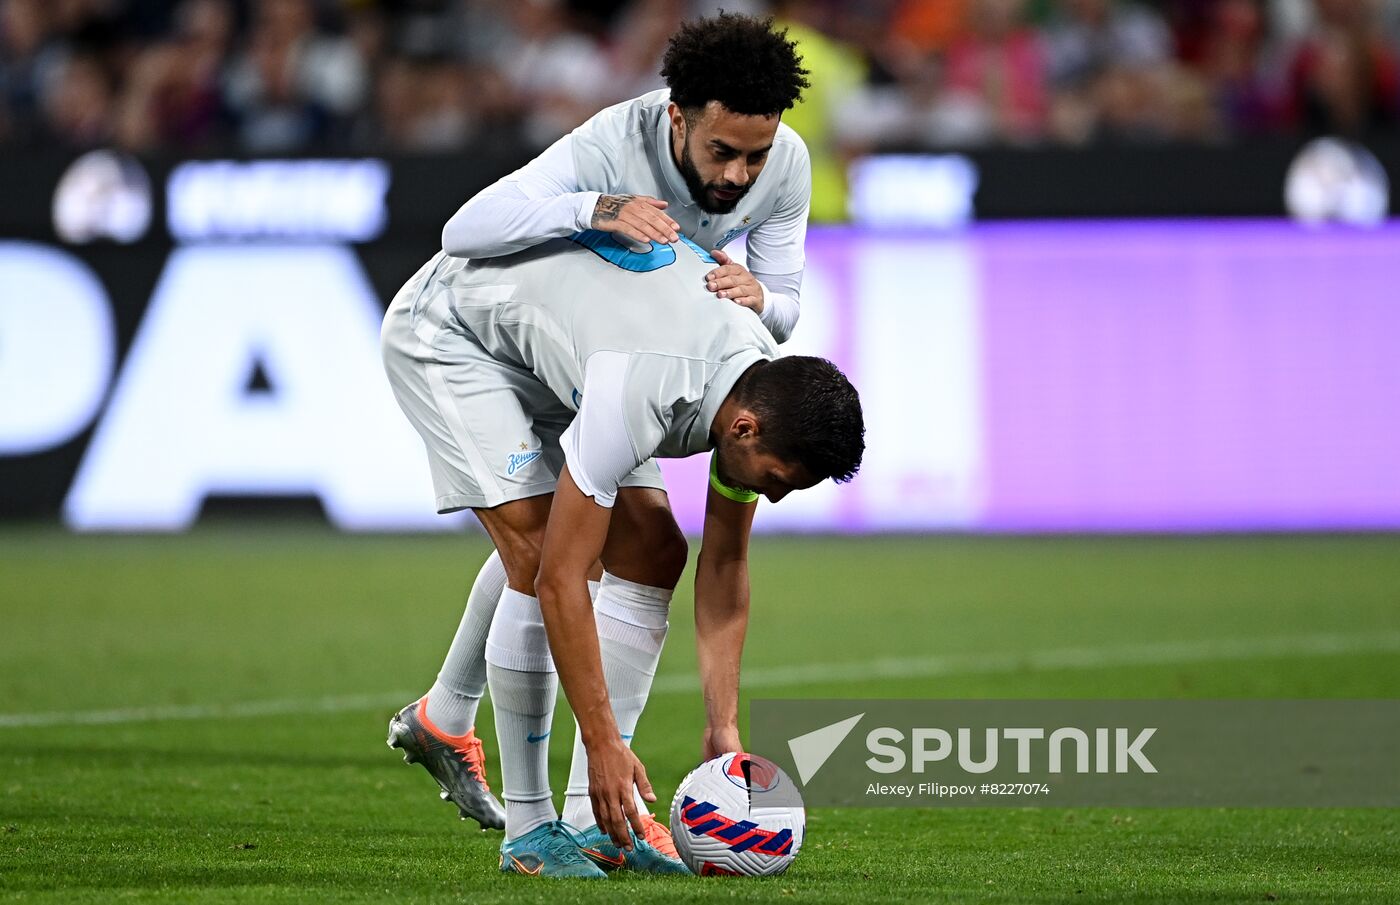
(733, 281)
(638, 220)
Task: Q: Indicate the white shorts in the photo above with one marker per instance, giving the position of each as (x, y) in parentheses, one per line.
(491, 428)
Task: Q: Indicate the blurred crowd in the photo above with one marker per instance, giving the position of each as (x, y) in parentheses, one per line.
(358, 76)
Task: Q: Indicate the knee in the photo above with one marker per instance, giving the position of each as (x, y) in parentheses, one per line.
(669, 551)
(521, 559)
(517, 530)
(653, 555)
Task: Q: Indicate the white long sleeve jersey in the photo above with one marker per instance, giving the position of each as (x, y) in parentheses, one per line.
(626, 148)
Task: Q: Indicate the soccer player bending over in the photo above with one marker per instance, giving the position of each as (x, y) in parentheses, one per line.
(707, 156)
(543, 384)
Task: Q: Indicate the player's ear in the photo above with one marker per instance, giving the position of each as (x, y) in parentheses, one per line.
(678, 123)
(745, 426)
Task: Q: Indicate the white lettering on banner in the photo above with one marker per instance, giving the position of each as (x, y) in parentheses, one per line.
(57, 347)
(307, 199)
(181, 424)
(936, 190)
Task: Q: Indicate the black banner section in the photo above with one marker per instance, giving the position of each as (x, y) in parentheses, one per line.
(90, 238)
(1123, 181)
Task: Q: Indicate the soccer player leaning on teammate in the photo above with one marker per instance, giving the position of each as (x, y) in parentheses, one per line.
(687, 161)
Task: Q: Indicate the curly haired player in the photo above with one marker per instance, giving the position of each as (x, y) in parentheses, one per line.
(707, 158)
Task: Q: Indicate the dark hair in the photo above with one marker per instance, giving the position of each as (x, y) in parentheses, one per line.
(737, 60)
(808, 412)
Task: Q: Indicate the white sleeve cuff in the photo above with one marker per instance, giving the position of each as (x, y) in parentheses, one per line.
(587, 203)
(780, 312)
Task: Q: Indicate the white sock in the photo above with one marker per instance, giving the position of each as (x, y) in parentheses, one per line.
(523, 688)
(631, 620)
(454, 697)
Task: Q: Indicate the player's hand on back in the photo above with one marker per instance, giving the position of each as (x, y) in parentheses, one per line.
(612, 772)
(635, 220)
(719, 740)
(734, 282)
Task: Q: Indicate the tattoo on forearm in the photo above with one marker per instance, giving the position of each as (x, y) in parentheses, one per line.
(609, 206)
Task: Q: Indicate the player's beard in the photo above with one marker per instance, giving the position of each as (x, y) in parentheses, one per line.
(700, 190)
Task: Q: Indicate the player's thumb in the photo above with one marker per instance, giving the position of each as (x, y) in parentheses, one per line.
(720, 257)
(639, 775)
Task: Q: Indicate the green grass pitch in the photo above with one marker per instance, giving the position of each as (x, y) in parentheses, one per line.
(246, 675)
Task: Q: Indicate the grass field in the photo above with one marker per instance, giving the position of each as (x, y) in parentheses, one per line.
(201, 719)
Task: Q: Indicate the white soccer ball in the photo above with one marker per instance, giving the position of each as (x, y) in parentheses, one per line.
(739, 815)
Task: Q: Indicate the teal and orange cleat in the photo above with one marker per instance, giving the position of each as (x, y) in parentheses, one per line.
(457, 762)
(549, 850)
(654, 853)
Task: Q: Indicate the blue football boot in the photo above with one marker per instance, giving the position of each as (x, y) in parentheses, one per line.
(549, 850)
(654, 853)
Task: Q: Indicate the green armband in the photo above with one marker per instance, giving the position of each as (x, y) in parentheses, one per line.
(723, 489)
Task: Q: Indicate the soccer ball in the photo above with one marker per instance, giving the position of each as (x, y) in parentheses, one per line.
(737, 815)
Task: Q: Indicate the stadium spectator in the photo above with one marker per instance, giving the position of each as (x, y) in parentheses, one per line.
(639, 41)
(30, 58)
(1344, 78)
(836, 72)
(78, 107)
(286, 76)
(996, 70)
(1105, 61)
(559, 76)
(1090, 37)
(1234, 58)
(432, 105)
(293, 86)
(928, 26)
(173, 95)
